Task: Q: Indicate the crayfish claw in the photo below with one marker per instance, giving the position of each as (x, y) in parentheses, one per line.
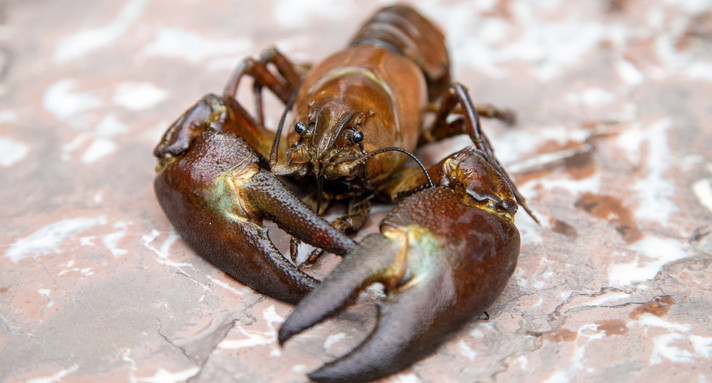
(407, 330)
(215, 193)
(358, 270)
(442, 261)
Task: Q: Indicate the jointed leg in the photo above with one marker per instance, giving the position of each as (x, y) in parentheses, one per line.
(283, 81)
(355, 217)
(457, 99)
(484, 110)
(492, 111)
(448, 106)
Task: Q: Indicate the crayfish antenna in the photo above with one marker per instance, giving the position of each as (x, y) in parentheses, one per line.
(376, 152)
(523, 204)
(274, 153)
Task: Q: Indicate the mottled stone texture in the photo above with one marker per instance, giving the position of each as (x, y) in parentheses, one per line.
(613, 149)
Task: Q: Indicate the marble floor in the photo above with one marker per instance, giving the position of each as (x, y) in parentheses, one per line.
(613, 150)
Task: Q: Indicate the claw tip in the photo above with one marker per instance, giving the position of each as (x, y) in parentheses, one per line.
(283, 335)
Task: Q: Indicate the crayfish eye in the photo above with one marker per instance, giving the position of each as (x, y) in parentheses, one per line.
(357, 137)
(300, 127)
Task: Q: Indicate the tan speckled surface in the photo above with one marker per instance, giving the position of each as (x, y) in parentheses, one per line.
(613, 151)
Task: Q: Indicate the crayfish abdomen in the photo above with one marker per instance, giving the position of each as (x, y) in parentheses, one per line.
(403, 30)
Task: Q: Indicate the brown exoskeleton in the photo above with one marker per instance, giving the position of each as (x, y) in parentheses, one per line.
(444, 253)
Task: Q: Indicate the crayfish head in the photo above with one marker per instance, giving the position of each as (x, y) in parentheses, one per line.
(328, 143)
(210, 112)
(340, 118)
(478, 183)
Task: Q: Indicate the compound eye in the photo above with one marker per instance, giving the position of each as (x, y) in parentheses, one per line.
(300, 127)
(357, 137)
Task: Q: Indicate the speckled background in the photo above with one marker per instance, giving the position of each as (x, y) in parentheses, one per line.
(612, 149)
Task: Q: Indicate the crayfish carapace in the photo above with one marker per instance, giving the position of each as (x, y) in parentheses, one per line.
(443, 254)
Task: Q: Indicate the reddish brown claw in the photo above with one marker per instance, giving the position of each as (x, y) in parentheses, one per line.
(443, 257)
(215, 194)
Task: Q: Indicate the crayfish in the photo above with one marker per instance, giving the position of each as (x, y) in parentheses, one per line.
(445, 251)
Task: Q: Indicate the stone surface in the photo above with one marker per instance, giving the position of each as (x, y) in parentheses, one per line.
(612, 150)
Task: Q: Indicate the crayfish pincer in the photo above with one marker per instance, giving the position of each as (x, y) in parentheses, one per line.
(444, 255)
(213, 190)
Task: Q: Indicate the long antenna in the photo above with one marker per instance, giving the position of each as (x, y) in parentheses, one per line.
(274, 153)
(376, 152)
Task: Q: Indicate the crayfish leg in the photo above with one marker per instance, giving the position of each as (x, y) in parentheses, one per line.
(355, 217)
(468, 122)
(282, 82)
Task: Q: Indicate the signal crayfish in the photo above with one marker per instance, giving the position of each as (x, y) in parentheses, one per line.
(445, 251)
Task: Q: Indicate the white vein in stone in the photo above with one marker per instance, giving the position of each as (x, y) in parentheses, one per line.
(50, 237)
(87, 40)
